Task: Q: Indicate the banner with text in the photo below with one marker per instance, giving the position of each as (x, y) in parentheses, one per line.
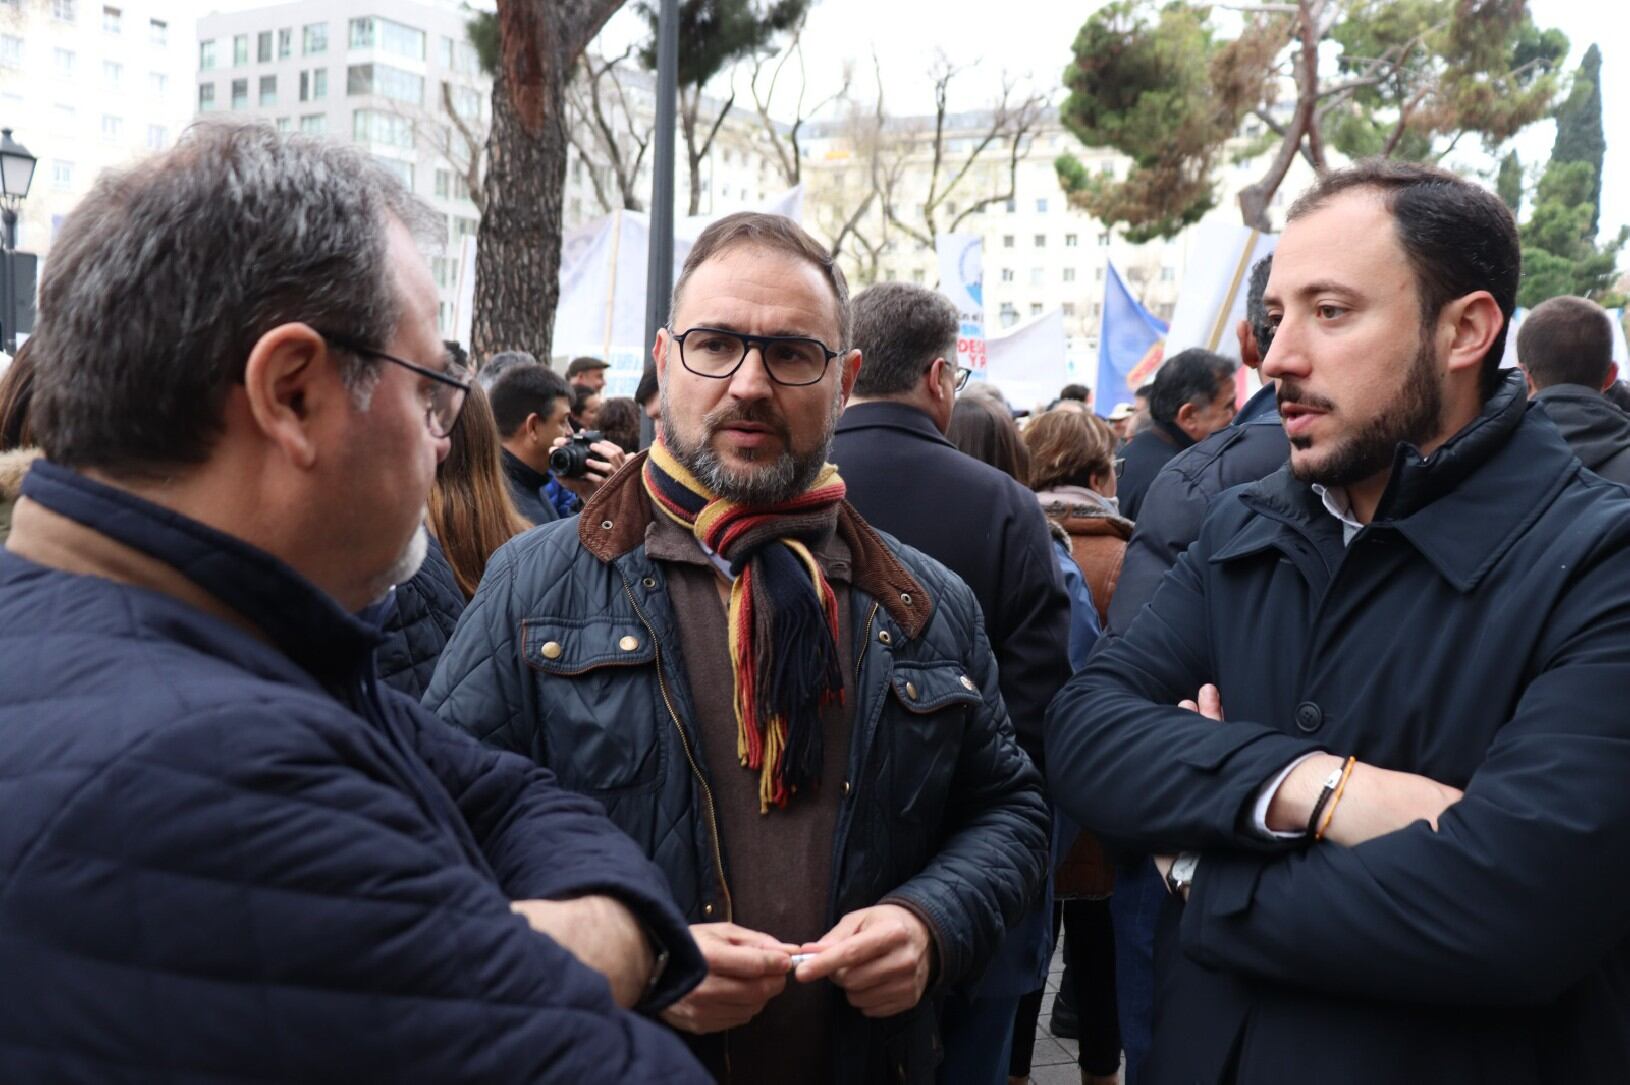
(962, 279)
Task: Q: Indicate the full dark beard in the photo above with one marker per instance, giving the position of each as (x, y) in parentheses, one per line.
(770, 483)
(1413, 417)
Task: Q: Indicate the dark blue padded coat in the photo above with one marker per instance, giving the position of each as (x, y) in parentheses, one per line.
(225, 857)
(422, 616)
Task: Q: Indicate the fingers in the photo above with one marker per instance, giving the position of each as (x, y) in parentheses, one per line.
(739, 953)
(1190, 705)
(1211, 702)
(857, 949)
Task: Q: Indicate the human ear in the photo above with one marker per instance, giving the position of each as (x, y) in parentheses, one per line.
(848, 370)
(1472, 322)
(289, 391)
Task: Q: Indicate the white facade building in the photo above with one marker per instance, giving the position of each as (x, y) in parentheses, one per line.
(85, 85)
(363, 72)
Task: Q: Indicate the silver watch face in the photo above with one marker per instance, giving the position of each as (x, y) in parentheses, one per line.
(1183, 869)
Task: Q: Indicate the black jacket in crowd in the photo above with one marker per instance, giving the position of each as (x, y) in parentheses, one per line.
(421, 621)
(1477, 631)
(1142, 459)
(1176, 503)
(526, 487)
(1596, 430)
(905, 478)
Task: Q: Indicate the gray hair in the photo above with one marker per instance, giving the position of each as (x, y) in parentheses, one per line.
(500, 363)
(900, 329)
(168, 273)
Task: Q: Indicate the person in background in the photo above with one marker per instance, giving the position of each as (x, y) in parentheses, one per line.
(470, 515)
(17, 448)
(500, 363)
(1192, 397)
(1121, 420)
(1141, 419)
(1076, 393)
(1565, 350)
(587, 373)
(897, 444)
(620, 422)
(532, 405)
(585, 412)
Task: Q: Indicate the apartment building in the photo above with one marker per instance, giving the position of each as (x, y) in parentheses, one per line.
(85, 85)
(401, 80)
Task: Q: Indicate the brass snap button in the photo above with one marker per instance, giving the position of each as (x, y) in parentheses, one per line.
(967, 683)
(883, 637)
(552, 650)
(846, 787)
(911, 691)
(707, 910)
(649, 582)
(905, 597)
(628, 644)
(605, 525)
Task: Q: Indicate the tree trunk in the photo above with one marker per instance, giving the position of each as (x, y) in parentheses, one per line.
(688, 108)
(517, 271)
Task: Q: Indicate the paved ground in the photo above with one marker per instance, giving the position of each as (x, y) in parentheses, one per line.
(1054, 1060)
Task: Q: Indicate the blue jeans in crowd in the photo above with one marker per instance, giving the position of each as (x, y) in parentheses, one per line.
(1139, 896)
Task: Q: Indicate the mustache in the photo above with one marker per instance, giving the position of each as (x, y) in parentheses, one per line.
(760, 412)
(1290, 393)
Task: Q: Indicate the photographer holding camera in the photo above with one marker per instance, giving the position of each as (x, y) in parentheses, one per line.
(531, 404)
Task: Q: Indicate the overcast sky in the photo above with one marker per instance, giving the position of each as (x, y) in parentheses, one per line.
(1031, 39)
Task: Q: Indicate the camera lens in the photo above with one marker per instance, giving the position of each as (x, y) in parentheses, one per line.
(570, 461)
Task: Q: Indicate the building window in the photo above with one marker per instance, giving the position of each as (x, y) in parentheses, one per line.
(402, 171)
(375, 126)
(112, 74)
(285, 43)
(1071, 240)
(66, 11)
(157, 137)
(1069, 308)
(206, 55)
(113, 20)
(1098, 273)
(1041, 241)
(1041, 205)
(1007, 241)
(240, 94)
(464, 226)
(444, 184)
(268, 90)
(1168, 274)
(62, 174)
(113, 128)
(1035, 308)
(314, 85)
(1012, 206)
(240, 50)
(466, 101)
(285, 124)
(158, 82)
(1106, 169)
(1009, 315)
(1103, 239)
(263, 47)
(385, 81)
(441, 268)
(314, 38)
(314, 124)
(1069, 274)
(206, 97)
(1037, 276)
(404, 41)
(1136, 275)
(158, 32)
(918, 275)
(61, 59)
(1007, 275)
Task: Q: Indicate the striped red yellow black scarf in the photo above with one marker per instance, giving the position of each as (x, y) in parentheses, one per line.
(783, 617)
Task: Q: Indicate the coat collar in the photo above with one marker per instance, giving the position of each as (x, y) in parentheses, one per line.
(889, 415)
(614, 520)
(1461, 507)
(1262, 407)
(283, 607)
(522, 473)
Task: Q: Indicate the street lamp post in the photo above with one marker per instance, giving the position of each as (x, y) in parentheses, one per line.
(16, 175)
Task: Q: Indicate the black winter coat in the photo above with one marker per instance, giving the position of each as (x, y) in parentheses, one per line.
(1176, 503)
(526, 490)
(1596, 430)
(1477, 631)
(227, 856)
(423, 614)
(567, 654)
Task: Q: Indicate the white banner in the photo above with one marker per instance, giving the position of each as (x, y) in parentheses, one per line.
(1028, 361)
(962, 279)
(1211, 301)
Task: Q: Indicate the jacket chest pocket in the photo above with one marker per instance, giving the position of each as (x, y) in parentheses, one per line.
(926, 722)
(597, 690)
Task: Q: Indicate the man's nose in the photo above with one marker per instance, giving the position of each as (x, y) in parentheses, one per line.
(751, 380)
(1285, 356)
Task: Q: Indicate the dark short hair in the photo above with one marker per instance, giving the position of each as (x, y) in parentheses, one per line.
(581, 394)
(1256, 313)
(1145, 390)
(456, 354)
(525, 390)
(1458, 236)
(649, 386)
(16, 396)
(620, 422)
(984, 429)
(1192, 376)
(899, 330)
(1566, 341)
(502, 362)
(1078, 392)
(585, 364)
(776, 232)
(166, 275)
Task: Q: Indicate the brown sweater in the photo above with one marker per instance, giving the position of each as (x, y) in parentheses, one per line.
(779, 864)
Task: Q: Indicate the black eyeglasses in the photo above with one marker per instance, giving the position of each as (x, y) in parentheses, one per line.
(444, 399)
(960, 374)
(788, 359)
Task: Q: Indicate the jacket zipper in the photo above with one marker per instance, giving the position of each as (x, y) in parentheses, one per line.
(684, 742)
(866, 638)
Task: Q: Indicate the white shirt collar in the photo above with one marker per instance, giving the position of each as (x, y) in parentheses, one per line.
(1338, 505)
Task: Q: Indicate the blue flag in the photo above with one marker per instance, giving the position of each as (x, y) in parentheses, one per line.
(1129, 345)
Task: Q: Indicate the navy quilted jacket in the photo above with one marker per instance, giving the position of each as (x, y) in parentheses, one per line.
(567, 654)
(226, 856)
(424, 612)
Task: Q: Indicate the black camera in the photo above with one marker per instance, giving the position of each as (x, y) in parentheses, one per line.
(571, 460)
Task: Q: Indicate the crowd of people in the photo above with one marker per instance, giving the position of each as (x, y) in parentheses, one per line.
(370, 713)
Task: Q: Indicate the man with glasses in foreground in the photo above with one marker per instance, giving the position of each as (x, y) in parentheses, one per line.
(228, 851)
(907, 479)
(796, 718)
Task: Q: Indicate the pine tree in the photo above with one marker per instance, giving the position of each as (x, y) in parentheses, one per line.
(1508, 185)
(1579, 127)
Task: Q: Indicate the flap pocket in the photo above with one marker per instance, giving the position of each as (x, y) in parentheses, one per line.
(568, 646)
(924, 688)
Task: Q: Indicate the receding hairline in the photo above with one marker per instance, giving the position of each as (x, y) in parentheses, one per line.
(748, 241)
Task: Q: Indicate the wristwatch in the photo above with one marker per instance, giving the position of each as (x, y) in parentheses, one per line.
(1181, 875)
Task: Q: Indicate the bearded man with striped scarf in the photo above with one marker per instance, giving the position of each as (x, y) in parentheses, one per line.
(795, 716)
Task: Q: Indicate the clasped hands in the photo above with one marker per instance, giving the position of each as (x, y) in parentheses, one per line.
(880, 956)
(1375, 802)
